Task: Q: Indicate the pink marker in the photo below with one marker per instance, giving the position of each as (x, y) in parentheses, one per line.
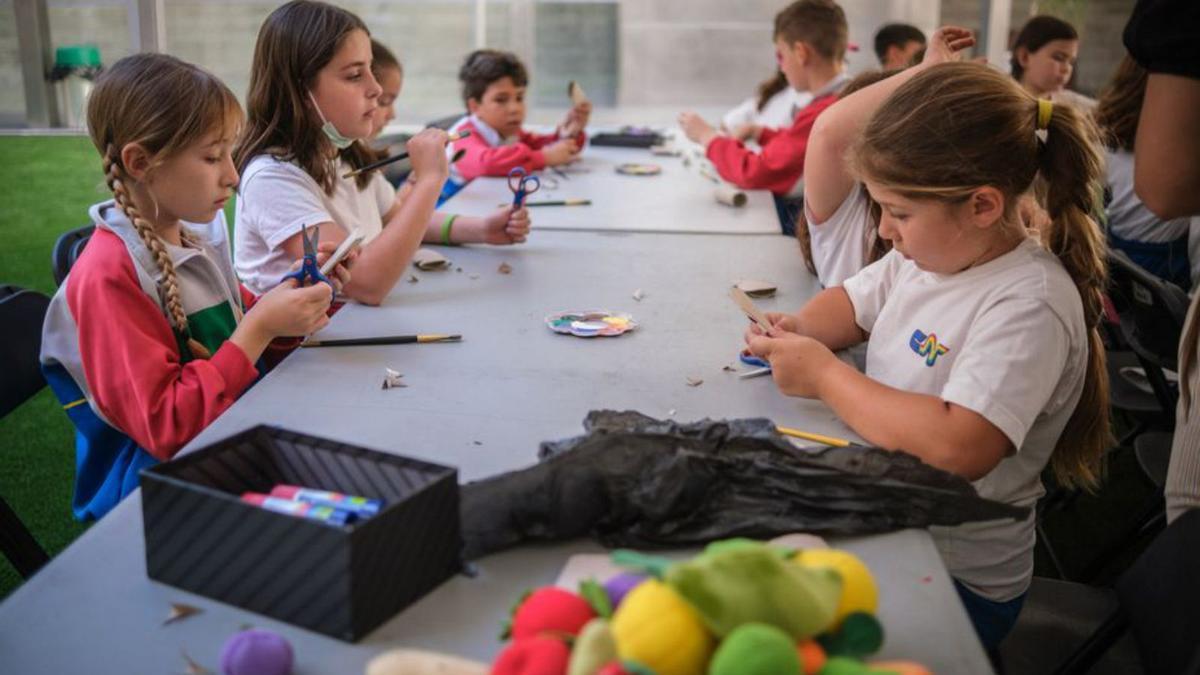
(325, 514)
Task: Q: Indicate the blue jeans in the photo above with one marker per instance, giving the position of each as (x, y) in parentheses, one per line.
(992, 620)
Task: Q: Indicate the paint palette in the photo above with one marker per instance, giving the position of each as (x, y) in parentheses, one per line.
(635, 169)
(594, 323)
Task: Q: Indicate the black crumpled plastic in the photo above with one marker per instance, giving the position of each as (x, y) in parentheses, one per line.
(634, 481)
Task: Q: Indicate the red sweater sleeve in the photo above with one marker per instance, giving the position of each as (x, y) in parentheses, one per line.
(780, 164)
(539, 141)
(482, 159)
(132, 362)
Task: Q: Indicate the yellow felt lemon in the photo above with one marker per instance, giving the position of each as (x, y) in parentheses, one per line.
(859, 592)
(658, 629)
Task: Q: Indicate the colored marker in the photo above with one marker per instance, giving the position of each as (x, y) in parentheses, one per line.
(360, 506)
(325, 514)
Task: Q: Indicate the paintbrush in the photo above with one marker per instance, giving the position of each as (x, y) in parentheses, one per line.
(404, 155)
(382, 340)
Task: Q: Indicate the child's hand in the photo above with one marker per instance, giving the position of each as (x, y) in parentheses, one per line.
(696, 129)
(288, 311)
(340, 276)
(946, 44)
(780, 323)
(798, 363)
(577, 119)
(561, 152)
(427, 152)
(506, 226)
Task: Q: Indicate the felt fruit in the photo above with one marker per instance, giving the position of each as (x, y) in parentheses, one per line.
(859, 635)
(620, 585)
(594, 648)
(859, 592)
(256, 652)
(657, 628)
(552, 610)
(733, 585)
(898, 668)
(842, 665)
(537, 655)
(812, 656)
(417, 662)
(755, 649)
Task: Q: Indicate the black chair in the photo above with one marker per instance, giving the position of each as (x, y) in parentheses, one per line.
(67, 249)
(21, 313)
(1156, 602)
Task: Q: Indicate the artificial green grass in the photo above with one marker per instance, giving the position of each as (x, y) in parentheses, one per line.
(51, 182)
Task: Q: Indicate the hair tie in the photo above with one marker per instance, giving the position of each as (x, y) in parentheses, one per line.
(1044, 111)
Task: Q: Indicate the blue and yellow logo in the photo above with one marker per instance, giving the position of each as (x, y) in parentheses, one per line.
(927, 346)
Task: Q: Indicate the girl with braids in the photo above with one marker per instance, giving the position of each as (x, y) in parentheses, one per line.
(145, 342)
(310, 111)
(983, 354)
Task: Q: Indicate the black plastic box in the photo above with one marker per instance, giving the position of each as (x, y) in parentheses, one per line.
(340, 581)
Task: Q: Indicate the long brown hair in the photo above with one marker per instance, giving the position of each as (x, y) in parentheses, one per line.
(769, 87)
(295, 42)
(960, 126)
(874, 246)
(1120, 105)
(164, 105)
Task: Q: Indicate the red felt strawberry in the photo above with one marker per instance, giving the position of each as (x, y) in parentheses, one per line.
(551, 610)
(538, 655)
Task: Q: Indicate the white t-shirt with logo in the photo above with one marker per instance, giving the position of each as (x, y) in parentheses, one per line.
(276, 198)
(839, 245)
(1007, 340)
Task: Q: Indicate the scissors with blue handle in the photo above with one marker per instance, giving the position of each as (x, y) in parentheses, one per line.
(522, 185)
(309, 272)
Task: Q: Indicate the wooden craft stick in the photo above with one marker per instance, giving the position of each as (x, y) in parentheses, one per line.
(809, 436)
(739, 296)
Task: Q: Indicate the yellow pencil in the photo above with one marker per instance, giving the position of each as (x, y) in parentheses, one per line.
(808, 436)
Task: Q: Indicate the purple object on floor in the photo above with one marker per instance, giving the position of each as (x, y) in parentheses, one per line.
(256, 652)
(618, 586)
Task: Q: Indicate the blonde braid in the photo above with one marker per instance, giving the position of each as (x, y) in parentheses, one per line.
(170, 284)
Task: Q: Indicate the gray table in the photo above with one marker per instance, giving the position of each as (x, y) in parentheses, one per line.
(678, 200)
(509, 385)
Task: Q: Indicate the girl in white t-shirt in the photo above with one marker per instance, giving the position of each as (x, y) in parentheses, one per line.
(310, 106)
(983, 357)
(774, 106)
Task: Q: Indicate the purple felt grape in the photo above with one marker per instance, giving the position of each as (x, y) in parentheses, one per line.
(618, 586)
(256, 652)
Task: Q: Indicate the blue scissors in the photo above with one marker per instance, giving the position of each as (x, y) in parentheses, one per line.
(309, 272)
(522, 185)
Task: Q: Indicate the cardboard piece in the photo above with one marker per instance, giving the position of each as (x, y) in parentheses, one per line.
(747, 305)
(578, 97)
(179, 612)
(730, 196)
(757, 289)
(428, 260)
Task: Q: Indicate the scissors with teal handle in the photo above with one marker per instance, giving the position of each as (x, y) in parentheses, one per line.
(309, 272)
(522, 185)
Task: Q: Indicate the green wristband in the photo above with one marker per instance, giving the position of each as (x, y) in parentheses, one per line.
(446, 225)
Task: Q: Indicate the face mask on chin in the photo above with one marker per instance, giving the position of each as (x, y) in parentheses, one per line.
(331, 132)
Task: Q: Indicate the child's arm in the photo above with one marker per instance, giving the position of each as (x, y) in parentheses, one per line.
(133, 365)
(827, 179)
(482, 159)
(501, 227)
(944, 435)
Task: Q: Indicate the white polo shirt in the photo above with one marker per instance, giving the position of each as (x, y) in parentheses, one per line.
(1006, 339)
(276, 198)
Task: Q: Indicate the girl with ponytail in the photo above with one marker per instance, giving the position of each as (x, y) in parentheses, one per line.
(983, 353)
(145, 343)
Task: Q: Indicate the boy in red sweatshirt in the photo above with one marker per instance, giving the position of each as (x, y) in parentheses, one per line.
(810, 47)
(494, 85)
